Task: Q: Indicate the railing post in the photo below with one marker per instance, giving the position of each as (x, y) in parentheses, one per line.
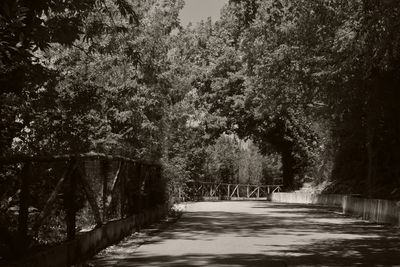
(135, 201)
(113, 207)
(24, 204)
(70, 205)
(247, 191)
(104, 175)
(122, 183)
(72, 166)
(258, 192)
(229, 191)
(90, 195)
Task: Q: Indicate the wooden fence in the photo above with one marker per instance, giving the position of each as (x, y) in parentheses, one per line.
(64, 195)
(227, 191)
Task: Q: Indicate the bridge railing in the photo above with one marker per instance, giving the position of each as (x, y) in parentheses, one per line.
(47, 200)
(211, 190)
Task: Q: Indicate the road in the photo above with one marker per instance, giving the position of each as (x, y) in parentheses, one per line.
(250, 233)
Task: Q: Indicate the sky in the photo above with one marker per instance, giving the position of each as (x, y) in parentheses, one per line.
(197, 10)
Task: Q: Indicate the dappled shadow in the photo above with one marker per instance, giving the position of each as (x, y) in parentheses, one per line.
(276, 219)
(255, 260)
(203, 260)
(299, 235)
(320, 254)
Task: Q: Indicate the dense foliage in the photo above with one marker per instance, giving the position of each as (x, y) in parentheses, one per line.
(311, 84)
(314, 81)
(105, 91)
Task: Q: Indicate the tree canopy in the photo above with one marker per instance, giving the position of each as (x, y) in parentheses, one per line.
(311, 84)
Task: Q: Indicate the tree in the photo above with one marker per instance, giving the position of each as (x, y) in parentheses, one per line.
(109, 93)
(28, 28)
(249, 80)
(365, 64)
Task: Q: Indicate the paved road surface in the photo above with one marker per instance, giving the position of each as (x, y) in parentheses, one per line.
(263, 234)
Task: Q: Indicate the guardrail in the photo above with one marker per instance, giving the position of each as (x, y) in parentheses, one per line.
(46, 201)
(374, 210)
(89, 243)
(334, 200)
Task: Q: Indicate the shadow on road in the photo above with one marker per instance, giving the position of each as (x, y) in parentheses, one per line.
(296, 234)
(204, 260)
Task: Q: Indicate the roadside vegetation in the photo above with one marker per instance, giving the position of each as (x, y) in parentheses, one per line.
(305, 91)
